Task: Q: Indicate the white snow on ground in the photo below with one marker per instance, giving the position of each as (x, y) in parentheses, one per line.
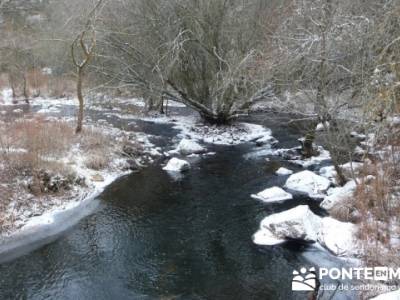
(338, 237)
(314, 160)
(48, 216)
(219, 135)
(6, 97)
(265, 237)
(307, 182)
(283, 172)
(187, 147)
(301, 223)
(395, 295)
(337, 195)
(296, 223)
(177, 165)
(272, 195)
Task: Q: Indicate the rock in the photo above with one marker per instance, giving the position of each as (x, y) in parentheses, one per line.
(298, 223)
(187, 147)
(266, 140)
(349, 166)
(338, 194)
(133, 165)
(18, 111)
(328, 172)
(177, 165)
(359, 154)
(283, 172)
(323, 156)
(358, 136)
(289, 154)
(264, 237)
(271, 195)
(338, 237)
(130, 150)
(307, 182)
(320, 126)
(97, 178)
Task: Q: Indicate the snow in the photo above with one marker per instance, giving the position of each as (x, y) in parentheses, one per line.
(177, 165)
(321, 127)
(309, 183)
(323, 156)
(300, 223)
(395, 295)
(187, 147)
(338, 237)
(6, 96)
(272, 195)
(283, 172)
(328, 172)
(297, 223)
(338, 194)
(265, 237)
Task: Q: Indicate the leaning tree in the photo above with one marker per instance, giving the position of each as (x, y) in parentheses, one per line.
(205, 54)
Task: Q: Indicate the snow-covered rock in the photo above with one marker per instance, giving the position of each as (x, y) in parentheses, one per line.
(266, 140)
(338, 237)
(338, 194)
(321, 127)
(265, 237)
(187, 147)
(307, 182)
(271, 195)
(395, 295)
(298, 223)
(352, 165)
(323, 156)
(328, 172)
(358, 136)
(283, 171)
(177, 165)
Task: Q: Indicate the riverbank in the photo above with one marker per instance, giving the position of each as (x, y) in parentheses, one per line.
(48, 171)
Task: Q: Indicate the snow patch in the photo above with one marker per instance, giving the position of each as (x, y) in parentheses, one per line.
(307, 182)
(272, 195)
(283, 172)
(177, 165)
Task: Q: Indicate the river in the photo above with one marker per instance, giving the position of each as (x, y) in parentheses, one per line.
(155, 237)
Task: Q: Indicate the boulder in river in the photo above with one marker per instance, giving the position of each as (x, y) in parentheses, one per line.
(309, 183)
(272, 195)
(338, 237)
(338, 194)
(177, 165)
(298, 223)
(283, 172)
(187, 147)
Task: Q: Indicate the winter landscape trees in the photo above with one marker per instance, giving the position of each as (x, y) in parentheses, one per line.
(331, 67)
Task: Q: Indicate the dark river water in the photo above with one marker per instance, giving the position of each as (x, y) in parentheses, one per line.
(153, 237)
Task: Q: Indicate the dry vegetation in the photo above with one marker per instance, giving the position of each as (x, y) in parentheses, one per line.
(39, 162)
(377, 201)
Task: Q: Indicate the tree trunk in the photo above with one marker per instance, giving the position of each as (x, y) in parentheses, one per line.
(26, 97)
(80, 99)
(340, 176)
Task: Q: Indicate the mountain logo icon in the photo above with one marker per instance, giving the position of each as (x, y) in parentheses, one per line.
(305, 280)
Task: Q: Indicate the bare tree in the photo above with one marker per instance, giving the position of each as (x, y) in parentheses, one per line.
(204, 54)
(85, 41)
